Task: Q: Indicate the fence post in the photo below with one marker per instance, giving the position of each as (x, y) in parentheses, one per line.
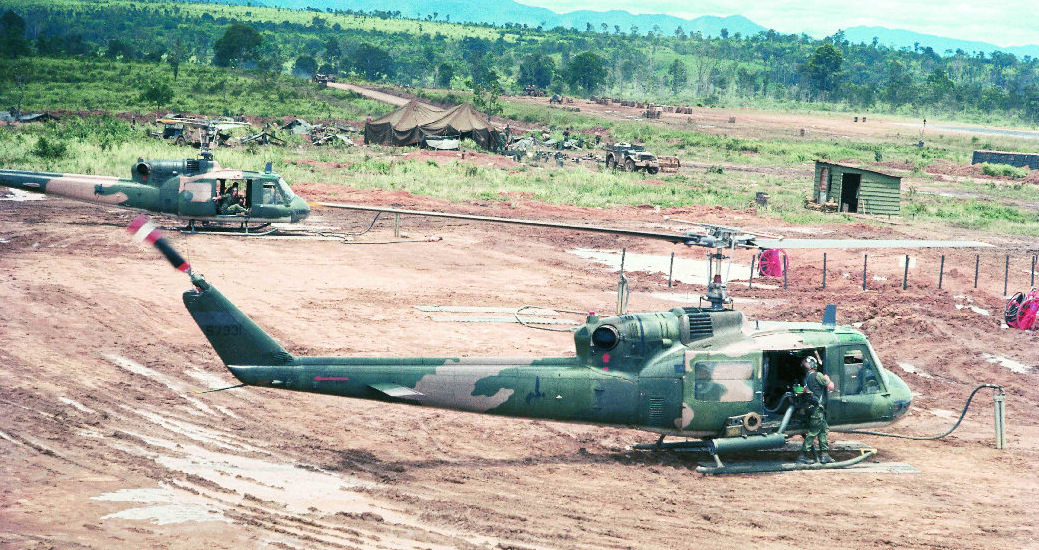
(671, 270)
(977, 264)
(1006, 276)
(824, 270)
(905, 276)
(784, 272)
(865, 261)
(941, 272)
(1031, 284)
(750, 281)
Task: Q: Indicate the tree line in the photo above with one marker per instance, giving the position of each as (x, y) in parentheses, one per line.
(634, 63)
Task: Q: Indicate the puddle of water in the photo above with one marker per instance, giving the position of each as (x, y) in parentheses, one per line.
(198, 433)
(208, 379)
(170, 506)
(170, 513)
(173, 384)
(686, 270)
(18, 195)
(1019, 368)
(975, 309)
(161, 494)
(8, 438)
(299, 488)
(142, 370)
(79, 406)
(911, 369)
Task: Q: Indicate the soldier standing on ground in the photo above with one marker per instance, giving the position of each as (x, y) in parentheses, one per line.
(815, 386)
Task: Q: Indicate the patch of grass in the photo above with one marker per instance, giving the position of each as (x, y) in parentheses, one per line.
(115, 87)
(1003, 170)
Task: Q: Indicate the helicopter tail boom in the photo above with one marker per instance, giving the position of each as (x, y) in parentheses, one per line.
(82, 187)
(234, 336)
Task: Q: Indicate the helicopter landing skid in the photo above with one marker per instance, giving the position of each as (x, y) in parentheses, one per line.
(765, 467)
(244, 229)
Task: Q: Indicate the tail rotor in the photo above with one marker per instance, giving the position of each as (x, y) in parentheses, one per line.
(143, 230)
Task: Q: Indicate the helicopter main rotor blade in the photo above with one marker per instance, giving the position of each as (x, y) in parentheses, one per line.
(724, 237)
(689, 239)
(865, 243)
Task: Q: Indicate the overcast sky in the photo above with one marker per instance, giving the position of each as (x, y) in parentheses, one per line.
(1004, 23)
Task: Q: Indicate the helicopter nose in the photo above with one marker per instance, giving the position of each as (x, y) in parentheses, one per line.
(901, 397)
(300, 209)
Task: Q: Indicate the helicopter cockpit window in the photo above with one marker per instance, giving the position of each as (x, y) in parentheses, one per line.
(860, 376)
(285, 190)
(272, 194)
(724, 381)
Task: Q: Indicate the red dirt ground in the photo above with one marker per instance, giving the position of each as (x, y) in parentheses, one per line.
(100, 361)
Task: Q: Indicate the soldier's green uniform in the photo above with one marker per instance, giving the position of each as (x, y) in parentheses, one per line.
(226, 204)
(816, 384)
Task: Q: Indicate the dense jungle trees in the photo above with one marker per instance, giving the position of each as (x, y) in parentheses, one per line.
(684, 67)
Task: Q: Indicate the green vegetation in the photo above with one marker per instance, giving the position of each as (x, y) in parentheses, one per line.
(117, 86)
(106, 145)
(764, 70)
(120, 57)
(1003, 170)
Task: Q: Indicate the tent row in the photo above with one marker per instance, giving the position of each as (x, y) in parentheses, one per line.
(417, 124)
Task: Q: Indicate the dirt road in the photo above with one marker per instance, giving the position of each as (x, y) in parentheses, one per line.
(370, 93)
(104, 444)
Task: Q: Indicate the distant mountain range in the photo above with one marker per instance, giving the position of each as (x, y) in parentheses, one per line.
(499, 12)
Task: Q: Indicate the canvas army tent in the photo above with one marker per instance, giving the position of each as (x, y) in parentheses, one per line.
(415, 121)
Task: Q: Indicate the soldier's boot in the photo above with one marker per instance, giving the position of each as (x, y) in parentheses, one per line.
(805, 459)
(825, 458)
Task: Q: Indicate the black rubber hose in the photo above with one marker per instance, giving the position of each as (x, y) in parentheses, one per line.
(778, 405)
(930, 437)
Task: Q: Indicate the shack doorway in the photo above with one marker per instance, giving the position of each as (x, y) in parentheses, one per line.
(850, 192)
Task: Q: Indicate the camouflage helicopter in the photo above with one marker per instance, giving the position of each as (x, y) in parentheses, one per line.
(189, 189)
(705, 373)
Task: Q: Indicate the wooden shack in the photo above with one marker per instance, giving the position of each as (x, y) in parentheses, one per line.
(855, 189)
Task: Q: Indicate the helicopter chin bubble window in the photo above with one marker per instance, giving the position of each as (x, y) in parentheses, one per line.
(605, 337)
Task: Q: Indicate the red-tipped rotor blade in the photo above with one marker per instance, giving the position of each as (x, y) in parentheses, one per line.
(143, 230)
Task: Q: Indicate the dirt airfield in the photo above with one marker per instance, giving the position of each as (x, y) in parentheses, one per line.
(104, 444)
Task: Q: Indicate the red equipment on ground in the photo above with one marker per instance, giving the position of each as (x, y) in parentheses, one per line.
(1021, 310)
(772, 262)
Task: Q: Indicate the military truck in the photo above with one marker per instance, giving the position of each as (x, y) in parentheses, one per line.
(324, 78)
(630, 158)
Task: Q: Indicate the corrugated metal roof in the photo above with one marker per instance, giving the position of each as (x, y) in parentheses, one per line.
(853, 167)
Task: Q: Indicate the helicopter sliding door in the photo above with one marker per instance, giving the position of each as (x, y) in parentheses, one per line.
(196, 198)
(722, 386)
(853, 371)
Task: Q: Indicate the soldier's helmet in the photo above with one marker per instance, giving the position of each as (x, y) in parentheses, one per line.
(810, 363)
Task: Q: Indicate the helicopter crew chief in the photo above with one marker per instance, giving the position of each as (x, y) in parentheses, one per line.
(815, 386)
(230, 203)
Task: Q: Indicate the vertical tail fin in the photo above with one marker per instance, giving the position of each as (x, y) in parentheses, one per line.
(234, 336)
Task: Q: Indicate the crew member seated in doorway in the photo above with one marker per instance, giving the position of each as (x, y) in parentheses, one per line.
(228, 203)
(815, 386)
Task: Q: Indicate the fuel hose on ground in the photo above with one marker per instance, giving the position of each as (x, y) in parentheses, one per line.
(999, 393)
